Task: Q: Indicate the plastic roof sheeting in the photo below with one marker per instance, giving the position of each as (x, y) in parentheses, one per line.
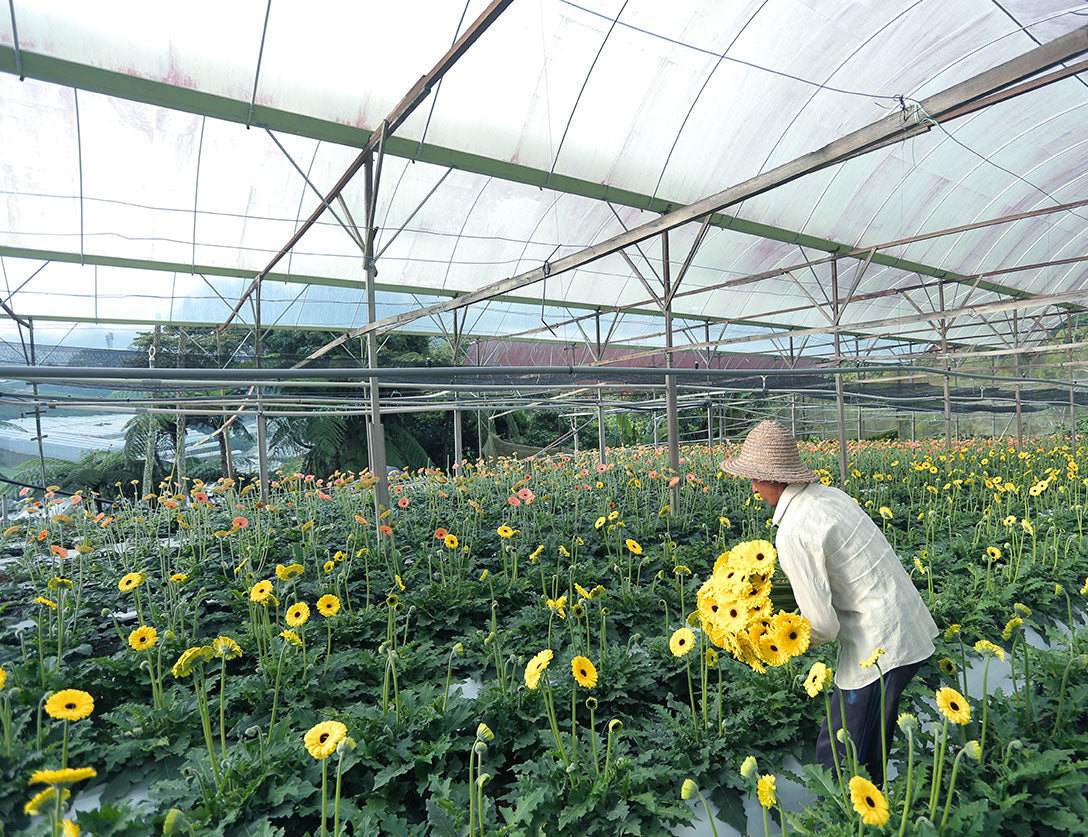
(668, 102)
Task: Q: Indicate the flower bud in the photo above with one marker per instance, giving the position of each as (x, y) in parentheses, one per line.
(479, 748)
(615, 725)
(973, 750)
(484, 733)
(458, 650)
(483, 779)
(748, 767)
(346, 745)
(174, 822)
(688, 789)
(591, 704)
(907, 722)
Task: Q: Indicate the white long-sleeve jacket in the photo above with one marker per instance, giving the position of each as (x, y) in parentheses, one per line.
(849, 583)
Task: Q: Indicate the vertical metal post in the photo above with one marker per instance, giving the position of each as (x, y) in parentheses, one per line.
(1072, 400)
(837, 308)
(180, 470)
(377, 430)
(600, 394)
(479, 435)
(710, 426)
(224, 435)
(262, 421)
(1016, 372)
(37, 407)
(993, 415)
(944, 354)
(793, 395)
(151, 434)
(673, 422)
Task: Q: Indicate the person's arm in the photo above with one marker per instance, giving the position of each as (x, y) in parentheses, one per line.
(805, 566)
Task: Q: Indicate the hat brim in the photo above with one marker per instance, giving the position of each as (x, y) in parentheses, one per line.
(738, 466)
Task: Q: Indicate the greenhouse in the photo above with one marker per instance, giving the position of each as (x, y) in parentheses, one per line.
(543, 417)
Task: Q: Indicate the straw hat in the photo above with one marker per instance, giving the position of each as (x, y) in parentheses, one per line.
(769, 454)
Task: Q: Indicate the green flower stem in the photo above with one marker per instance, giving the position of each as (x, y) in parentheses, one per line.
(938, 767)
(1061, 694)
(608, 753)
(884, 733)
(834, 753)
(5, 723)
(910, 775)
(328, 647)
(60, 626)
(205, 719)
(222, 705)
(710, 816)
(449, 674)
(781, 819)
(574, 722)
(766, 824)
(471, 793)
(549, 703)
(324, 791)
(985, 708)
(336, 802)
(691, 695)
(1027, 680)
(593, 734)
(64, 747)
(276, 693)
(951, 786)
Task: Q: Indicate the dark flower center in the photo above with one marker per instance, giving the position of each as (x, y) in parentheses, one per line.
(733, 612)
(582, 672)
(954, 706)
(323, 738)
(793, 634)
(869, 802)
(69, 706)
(774, 648)
(759, 556)
(681, 641)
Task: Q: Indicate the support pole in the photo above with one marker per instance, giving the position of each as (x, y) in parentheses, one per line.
(1072, 401)
(224, 436)
(944, 354)
(1016, 373)
(180, 470)
(152, 430)
(37, 408)
(600, 397)
(262, 420)
(839, 404)
(670, 380)
(376, 448)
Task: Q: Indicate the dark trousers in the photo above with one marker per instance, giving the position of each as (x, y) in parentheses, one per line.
(862, 710)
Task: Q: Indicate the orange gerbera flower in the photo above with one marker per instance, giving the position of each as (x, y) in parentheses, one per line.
(385, 530)
(440, 533)
(59, 551)
(239, 522)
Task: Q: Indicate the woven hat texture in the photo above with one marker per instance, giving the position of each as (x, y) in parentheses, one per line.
(769, 454)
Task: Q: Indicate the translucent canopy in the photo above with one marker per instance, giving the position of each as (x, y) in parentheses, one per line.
(155, 159)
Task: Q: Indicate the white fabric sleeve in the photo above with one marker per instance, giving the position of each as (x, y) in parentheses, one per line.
(806, 569)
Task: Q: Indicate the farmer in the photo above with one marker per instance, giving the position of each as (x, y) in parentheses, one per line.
(849, 584)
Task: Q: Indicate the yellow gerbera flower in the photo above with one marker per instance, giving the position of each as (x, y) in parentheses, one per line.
(504, 532)
(818, 680)
(45, 801)
(450, 541)
(321, 739)
(987, 648)
(143, 638)
(634, 546)
(67, 776)
(871, 660)
(681, 642)
(599, 522)
(261, 591)
(993, 552)
(688, 789)
(534, 669)
(868, 801)
(1010, 520)
(69, 705)
(189, 658)
(1011, 626)
(226, 648)
(953, 705)
(759, 556)
(792, 632)
(581, 591)
(291, 637)
(178, 578)
(44, 601)
(765, 790)
(771, 651)
(328, 605)
(584, 672)
(298, 614)
(288, 572)
(131, 581)
(68, 829)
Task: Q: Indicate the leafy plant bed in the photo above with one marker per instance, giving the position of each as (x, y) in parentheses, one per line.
(256, 628)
